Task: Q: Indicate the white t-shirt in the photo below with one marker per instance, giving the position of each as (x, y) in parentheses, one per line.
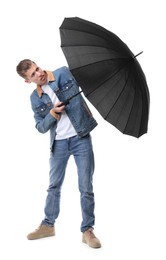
(64, 128)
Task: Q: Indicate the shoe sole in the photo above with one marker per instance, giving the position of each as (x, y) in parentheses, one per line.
(84, 241)
(39, 237)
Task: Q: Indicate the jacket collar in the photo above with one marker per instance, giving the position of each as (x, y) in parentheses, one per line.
(50, 77)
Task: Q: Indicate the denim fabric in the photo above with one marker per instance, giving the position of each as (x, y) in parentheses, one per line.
(81, 149)
(64, 86)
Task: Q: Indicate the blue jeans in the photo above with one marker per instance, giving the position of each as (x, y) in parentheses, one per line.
(81, 149)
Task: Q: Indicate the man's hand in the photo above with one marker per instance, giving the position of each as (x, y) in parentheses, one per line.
(57, 110)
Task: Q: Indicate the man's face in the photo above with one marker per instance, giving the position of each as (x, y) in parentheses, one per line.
(36, 75)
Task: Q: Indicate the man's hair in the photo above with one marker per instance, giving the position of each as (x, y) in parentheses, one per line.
(23, 66)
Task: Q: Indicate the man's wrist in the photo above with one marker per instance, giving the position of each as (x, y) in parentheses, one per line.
(54, 114)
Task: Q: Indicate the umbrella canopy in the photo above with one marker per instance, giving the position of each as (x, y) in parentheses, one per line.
(108, 73)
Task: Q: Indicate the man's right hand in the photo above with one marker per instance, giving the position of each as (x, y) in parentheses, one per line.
(57, 110)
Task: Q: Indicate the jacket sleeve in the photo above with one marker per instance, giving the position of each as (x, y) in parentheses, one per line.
(43, 118)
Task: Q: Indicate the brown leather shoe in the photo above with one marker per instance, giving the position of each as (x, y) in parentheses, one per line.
(90, 239)
(41, 232)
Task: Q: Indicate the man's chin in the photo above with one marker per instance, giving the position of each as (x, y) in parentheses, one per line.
(43, 82)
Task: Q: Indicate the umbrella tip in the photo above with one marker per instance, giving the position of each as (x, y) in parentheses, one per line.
(138, 54)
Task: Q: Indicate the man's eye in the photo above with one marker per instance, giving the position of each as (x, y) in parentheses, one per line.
(37, 69)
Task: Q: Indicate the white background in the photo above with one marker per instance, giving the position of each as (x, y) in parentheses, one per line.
(129, 181)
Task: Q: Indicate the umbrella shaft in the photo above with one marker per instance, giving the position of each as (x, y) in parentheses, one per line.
(66, 102)
(138, 54)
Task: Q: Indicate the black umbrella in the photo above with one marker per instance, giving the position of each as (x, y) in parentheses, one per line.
(108, 73)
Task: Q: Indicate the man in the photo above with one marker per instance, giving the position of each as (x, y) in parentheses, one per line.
(70, 124)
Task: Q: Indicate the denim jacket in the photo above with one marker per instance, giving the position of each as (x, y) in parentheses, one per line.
(65, 86)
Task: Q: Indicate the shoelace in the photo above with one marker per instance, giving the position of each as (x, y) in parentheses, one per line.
(90, 233)
(38, 228)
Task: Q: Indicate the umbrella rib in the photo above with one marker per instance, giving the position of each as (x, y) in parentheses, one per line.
(101, 53)
(108, 77)
(117, 98)
(92, 33)
(98, 46)
(133, 103)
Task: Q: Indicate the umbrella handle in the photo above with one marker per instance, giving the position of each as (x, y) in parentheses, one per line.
(64, 103)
